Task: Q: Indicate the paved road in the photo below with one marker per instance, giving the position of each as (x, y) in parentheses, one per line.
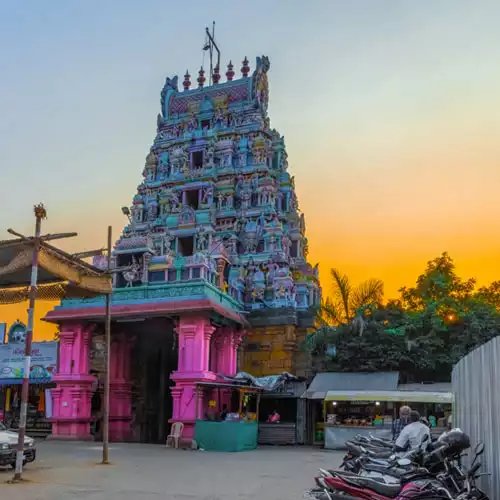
(70, 471)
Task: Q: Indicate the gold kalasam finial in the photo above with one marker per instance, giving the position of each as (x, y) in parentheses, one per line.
(40, 211)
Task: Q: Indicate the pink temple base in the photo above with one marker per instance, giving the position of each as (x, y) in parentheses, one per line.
(198, 343)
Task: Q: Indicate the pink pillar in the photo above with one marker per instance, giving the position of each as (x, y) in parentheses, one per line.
(226, 351)
(195, 334)
(73, 394)
(220, 353)
(120, 394)
(236, 340)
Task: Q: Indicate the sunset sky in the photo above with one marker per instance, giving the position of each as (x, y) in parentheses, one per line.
(390, 110)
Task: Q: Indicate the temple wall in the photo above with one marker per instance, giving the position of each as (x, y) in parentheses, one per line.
(270, 350)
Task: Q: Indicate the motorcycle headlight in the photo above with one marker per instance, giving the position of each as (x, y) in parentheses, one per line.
(4, 446)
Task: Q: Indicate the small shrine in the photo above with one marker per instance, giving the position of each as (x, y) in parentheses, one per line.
(214, 254)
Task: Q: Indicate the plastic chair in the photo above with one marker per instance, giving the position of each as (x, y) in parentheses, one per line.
(175, 434)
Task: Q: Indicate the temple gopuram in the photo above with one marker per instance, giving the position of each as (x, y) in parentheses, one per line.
(210, 274)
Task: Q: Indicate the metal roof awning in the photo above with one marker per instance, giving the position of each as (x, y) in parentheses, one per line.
(346, 381)
(60, 275)
(394, 396)
(223, 385)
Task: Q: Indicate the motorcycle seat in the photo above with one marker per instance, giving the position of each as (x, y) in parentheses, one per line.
(377, 461)
(384, 469)
(343, 473)
(387, 490)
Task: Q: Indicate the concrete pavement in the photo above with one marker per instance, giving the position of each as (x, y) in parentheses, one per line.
(71, 471)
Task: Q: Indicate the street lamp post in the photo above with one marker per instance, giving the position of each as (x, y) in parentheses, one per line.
(105, 427)
(40, 214)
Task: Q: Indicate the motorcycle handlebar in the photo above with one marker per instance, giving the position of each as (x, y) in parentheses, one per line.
(474, 469)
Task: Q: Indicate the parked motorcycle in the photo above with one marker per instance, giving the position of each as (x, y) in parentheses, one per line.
(441, 477)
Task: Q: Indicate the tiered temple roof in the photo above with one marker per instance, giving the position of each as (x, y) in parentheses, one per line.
(217, 201)
(217, 204)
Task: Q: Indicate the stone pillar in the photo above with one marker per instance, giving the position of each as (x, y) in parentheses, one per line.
(195, 334)
(74, 386)
(120, 394)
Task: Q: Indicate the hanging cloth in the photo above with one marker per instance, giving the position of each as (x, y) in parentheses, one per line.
(14, 400)
(41, 402)
(48, 403)
(7, 399)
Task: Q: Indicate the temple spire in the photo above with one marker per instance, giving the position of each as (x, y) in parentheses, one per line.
(187, 81)
(230, 72)
(201, 78)
(245, 69)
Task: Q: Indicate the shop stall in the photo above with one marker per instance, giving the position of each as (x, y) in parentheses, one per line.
(43, 367)
(316, 393)
(350, 413)
(229, 419)
(282, 414)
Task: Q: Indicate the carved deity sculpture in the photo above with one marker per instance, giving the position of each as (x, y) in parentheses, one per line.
(283, 165)
(163, 167)
(271, 271)
(150, 167)
(178, 159)
(246, 198)
(167, 241)
(202, 240)
(132, 273)
(192, 124)
(208, 195)
(219, 120)
(210, 156)
(152, 211)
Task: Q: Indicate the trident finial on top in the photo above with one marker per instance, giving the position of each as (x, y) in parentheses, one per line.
(40, 211)
(210, 45)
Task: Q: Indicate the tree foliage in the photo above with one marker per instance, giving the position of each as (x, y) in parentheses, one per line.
(422, 333)
(347, 300)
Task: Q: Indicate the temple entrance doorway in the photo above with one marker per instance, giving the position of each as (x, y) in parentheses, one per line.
(154, 357)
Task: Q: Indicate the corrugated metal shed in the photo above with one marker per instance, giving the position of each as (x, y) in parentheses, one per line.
(477, 407)
(355, 381)
(437, 387)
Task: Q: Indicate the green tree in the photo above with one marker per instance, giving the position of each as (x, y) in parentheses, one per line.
(348, 300)
(490, 294)
(422, 334)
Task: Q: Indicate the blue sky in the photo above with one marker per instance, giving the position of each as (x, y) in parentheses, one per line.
(389, 108)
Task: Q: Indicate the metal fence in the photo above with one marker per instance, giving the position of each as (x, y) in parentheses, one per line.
(476, 409)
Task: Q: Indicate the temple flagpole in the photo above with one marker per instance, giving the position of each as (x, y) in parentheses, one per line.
(40, 213)
(105, 428)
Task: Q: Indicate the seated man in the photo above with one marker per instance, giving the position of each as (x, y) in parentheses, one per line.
(413, 434)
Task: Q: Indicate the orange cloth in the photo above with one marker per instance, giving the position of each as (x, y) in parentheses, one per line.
(7, 399)
(41, 402)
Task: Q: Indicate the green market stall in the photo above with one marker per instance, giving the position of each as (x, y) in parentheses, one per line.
(350, 413)
(239, 431)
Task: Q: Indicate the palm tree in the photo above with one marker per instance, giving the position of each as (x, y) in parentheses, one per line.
(347, 300)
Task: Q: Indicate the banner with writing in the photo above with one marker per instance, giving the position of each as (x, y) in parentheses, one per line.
(43, 360)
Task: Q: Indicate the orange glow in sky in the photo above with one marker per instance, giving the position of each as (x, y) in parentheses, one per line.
(389, 110)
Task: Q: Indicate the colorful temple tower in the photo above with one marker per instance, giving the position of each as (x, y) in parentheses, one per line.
(215, 252)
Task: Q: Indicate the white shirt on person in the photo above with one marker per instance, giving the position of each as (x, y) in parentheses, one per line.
(412, 435)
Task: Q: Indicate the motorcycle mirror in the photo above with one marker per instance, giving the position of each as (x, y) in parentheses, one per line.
(479, 449)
